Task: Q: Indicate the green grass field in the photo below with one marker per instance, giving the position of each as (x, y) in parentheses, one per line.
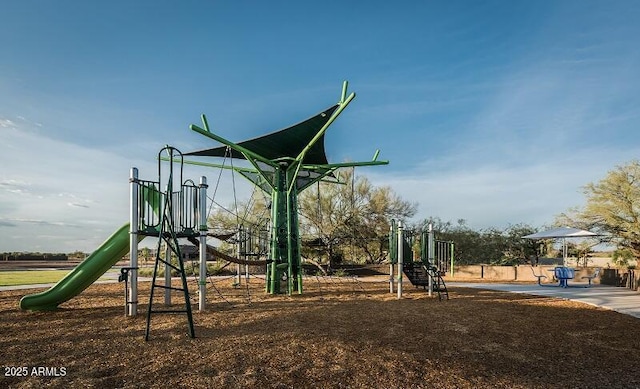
(30, 277)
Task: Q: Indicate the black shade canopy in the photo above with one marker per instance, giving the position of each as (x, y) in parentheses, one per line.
(285, 144)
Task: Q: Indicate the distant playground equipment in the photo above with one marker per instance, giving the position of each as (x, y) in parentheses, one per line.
(436, 259)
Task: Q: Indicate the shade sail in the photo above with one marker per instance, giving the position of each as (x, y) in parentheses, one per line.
(561, 232)
(287, 143)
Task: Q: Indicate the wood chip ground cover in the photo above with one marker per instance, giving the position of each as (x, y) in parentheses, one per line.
(339, 333)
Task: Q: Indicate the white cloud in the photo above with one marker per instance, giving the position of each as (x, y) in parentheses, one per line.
(497, 195)
(60, 197)
(42, 178)
(7, 123)
(77, 205)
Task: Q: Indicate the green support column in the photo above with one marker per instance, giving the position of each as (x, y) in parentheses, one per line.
(291, 252)
(280, 231)
(295, 262)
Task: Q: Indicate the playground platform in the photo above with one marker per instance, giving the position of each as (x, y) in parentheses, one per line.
(617, 299)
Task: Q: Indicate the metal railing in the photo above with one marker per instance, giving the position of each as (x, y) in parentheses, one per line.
(183, 208)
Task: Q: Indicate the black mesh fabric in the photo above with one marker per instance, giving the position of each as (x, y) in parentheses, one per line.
(283, 144)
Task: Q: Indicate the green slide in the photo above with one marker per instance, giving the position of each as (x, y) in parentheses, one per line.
(85, 274)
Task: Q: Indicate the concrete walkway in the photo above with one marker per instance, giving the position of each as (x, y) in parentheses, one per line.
(617, 299)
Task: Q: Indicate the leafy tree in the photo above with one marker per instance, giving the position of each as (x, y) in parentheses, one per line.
(612, 208)
(519, 250)
(146, 253)
(581, 250)
(622, 257)
(351, 218)
(494, 246)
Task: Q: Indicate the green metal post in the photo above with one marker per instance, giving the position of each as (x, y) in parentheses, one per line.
(423, 247)
(279, 228)
(294, 243)
(298, 247)
(290, 252)
(290, 188)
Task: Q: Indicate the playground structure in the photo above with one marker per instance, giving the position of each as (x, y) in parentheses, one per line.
(283, 164)
(175, 211)
(436, 258)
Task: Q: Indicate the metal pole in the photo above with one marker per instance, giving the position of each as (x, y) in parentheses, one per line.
(393, 255)
(239, 244)
(202, 212)
(126, 295)
(167, 272)
(431, 257)
(247, 249)
(452, 247)
(132, 300)
(400, 258)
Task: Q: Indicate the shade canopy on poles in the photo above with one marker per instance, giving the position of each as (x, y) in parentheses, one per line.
(562, 233)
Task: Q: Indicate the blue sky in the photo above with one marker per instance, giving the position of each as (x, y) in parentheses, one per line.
(497, 112)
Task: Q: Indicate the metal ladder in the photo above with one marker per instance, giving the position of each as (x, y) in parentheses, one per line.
(168, 233)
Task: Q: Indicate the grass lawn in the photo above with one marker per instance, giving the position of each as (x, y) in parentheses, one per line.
(29, 277)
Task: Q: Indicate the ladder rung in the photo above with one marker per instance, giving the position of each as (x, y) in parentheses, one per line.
(171, 265)
(171, 311)
(168, 287)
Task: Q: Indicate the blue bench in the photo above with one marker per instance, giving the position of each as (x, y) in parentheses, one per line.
(564, 274)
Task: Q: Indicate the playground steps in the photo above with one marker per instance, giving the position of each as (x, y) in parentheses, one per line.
(418, 275)
(439, 285)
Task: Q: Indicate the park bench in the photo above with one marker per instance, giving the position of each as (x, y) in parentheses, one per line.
(564, 274)
(594, 275)
(539, 277)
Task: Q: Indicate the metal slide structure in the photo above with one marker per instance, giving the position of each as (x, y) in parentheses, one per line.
(83, 275)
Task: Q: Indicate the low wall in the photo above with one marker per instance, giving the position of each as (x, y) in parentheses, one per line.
(512, 273)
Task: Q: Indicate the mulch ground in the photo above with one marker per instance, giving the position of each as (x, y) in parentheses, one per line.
(339, 333)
